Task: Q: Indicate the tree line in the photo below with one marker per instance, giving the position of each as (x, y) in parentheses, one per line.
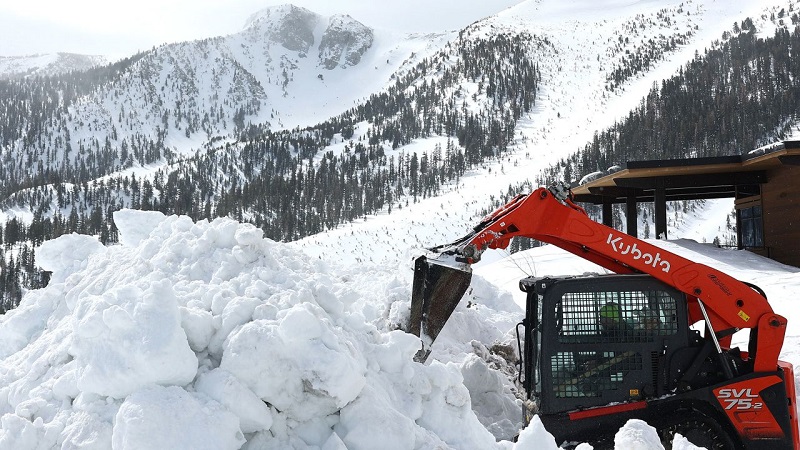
(741, 95)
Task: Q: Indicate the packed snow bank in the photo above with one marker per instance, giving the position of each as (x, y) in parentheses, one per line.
(205, 335)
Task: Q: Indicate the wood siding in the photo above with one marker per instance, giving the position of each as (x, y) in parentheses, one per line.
(780, 202)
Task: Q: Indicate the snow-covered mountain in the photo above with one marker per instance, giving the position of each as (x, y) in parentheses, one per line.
(47, 64)
(288, 67)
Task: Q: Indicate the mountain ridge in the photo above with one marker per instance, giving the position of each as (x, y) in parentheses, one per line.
(47, 64)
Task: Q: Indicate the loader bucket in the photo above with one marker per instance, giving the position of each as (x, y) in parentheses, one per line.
(436, 291)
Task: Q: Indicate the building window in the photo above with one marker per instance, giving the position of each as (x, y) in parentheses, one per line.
(752, 229)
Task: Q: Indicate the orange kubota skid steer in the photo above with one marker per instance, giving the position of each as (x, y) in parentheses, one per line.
(597, 351)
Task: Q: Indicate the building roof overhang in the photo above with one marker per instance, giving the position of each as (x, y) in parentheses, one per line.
(688, 179)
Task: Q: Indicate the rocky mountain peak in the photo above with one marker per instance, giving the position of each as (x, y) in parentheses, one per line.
(344, 42)
(288, 25)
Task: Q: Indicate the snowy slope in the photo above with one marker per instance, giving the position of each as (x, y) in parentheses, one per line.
(314, 67)
(573, 104)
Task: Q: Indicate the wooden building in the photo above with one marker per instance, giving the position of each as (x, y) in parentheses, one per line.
(764, 183)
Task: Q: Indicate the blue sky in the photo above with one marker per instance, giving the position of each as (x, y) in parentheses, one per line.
(118, 29)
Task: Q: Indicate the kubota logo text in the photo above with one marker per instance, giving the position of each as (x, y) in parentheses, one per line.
(715, 279)
(739, 399)
(624, 248)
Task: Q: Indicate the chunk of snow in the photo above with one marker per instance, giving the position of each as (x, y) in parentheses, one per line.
(170, 417)
(637, 435)
(535, 437)
(134, 226)
(299, 363)
(130, 337)
(67, 253)
(254, 415)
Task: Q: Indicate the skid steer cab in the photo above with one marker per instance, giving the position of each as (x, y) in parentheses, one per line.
(652, 342)
(598, 351)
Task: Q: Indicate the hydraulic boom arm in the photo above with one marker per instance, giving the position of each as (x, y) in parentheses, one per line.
(548, 215)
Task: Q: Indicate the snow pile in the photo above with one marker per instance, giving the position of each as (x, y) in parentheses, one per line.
(205, 335)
